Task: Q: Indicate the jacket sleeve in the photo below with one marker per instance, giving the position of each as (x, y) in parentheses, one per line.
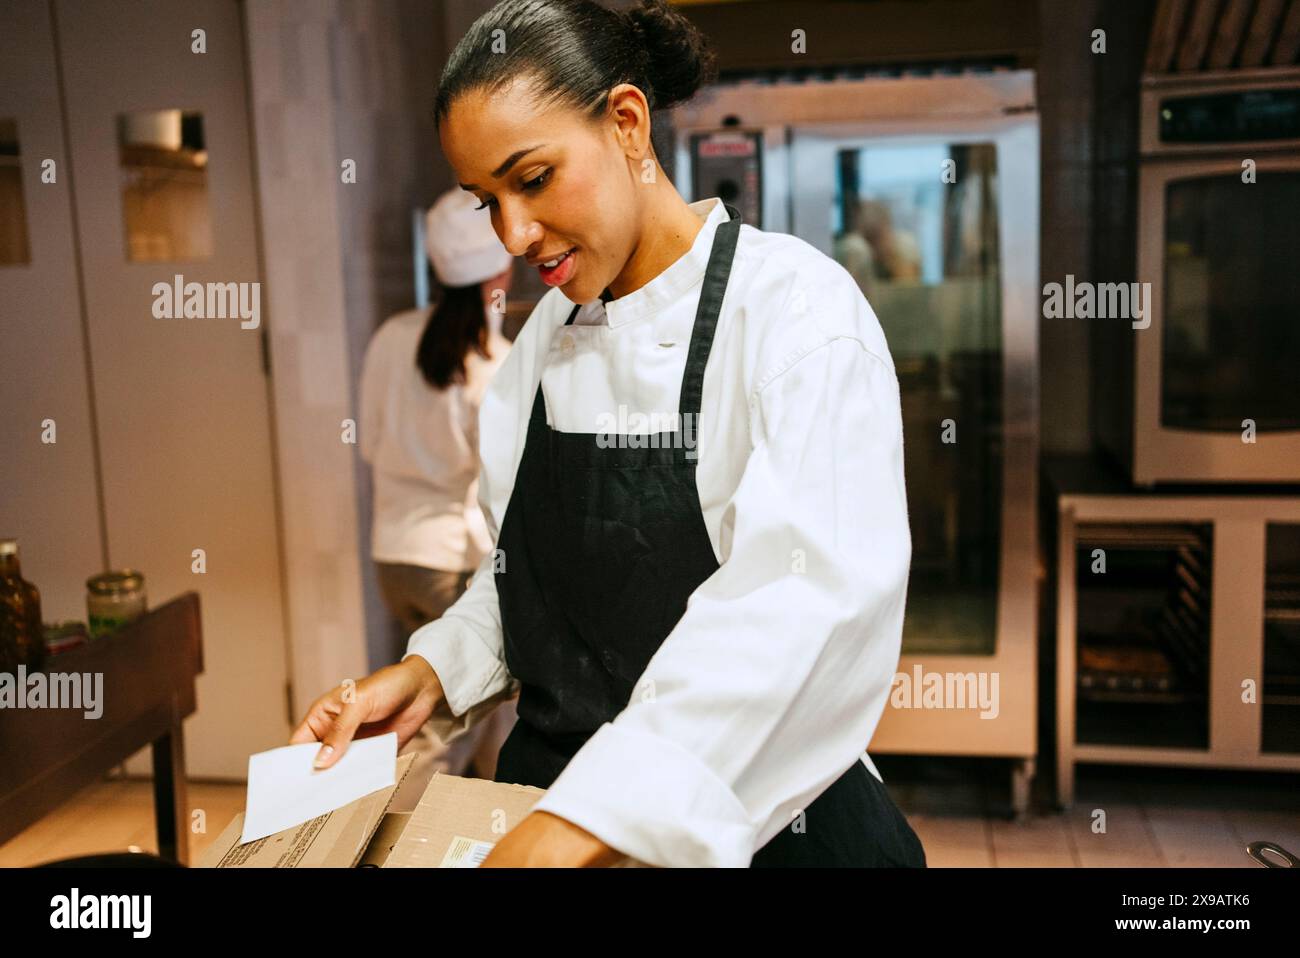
(771, 684)
(465, 646)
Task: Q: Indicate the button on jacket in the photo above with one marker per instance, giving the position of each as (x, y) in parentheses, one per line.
(773, 680)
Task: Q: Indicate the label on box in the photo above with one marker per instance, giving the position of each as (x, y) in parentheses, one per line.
(466, 853)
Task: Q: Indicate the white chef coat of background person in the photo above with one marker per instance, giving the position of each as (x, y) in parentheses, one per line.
(423, 379)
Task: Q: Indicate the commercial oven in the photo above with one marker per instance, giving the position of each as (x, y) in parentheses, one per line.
(1206, 390)
(926, 190)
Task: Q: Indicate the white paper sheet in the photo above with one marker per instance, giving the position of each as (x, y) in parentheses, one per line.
(284, 790)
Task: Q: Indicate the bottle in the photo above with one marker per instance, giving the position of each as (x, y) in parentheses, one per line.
(22, 635)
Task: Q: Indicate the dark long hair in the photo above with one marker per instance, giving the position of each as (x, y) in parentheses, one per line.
(577, 51)
(457, 325)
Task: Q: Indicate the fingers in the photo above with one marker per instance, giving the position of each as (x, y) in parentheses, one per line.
(333, 722)
(396, 698)
(304, 732)
(338, 734)
(318, 719)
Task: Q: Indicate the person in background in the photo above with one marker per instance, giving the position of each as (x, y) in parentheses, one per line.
(423, 378)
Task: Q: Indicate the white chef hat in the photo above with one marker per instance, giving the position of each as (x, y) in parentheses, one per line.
(460, 241)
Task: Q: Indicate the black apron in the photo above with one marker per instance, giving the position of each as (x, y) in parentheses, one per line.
(603, 545)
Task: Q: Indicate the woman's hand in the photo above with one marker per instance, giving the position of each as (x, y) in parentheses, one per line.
(543, 840)
(398, 698)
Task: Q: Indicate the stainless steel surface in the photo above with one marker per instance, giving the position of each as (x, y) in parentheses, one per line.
(1156, 89)
(1237, 725)
(1266, 852)
(1157, 452)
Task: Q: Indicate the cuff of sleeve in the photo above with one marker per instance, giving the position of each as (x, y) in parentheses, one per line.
(651, 799)
(473, 680)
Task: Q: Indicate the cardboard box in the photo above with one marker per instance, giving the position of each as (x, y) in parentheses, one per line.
(455, 825)
(386, 836)
(458, 821)
(338, 839)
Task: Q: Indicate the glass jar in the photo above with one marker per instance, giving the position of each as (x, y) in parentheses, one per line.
(113, 599)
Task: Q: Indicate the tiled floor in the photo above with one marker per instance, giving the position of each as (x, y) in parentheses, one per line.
(1152, 817)
(1122, 816)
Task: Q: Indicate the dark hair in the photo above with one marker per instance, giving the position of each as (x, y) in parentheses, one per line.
(457, 325)
(577, 51)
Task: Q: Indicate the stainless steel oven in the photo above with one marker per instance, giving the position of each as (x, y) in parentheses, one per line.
(1216, 374)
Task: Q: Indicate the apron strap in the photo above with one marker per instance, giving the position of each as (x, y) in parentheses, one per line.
(706, 322)
(537, 419)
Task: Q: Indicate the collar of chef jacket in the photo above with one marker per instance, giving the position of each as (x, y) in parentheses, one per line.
(673, 283)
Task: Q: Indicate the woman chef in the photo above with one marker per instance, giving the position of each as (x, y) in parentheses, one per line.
(693, 473)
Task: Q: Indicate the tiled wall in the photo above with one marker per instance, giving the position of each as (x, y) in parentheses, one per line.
(1088, 109)
(1115, 198)
(332, 81)
(1065, 104)
(387, 54)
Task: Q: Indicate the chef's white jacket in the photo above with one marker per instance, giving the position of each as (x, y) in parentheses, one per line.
(771, 684)
(422, 443)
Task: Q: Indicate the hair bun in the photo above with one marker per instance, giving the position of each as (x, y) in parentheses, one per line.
(679, 59)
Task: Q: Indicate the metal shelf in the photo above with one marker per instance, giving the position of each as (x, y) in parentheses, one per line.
(1237, 606)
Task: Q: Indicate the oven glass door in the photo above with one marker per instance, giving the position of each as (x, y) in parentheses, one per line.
(915, 221)
(1230, 345)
